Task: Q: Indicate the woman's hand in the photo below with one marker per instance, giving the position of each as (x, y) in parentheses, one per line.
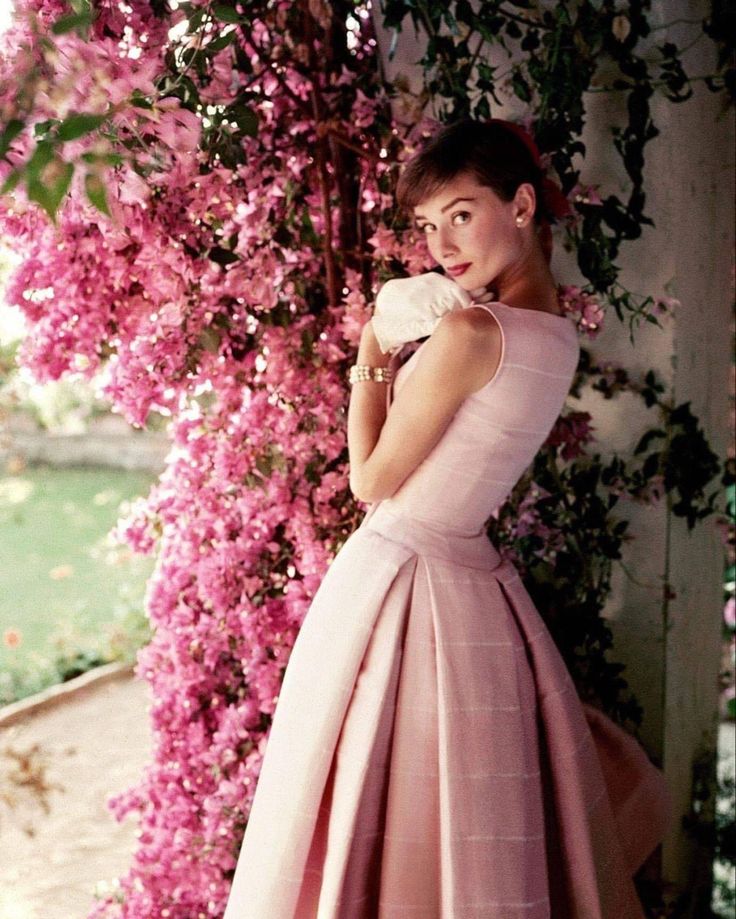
(482, 295)
(409, 308)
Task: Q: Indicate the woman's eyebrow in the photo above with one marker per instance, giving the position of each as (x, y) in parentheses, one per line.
(446, 207)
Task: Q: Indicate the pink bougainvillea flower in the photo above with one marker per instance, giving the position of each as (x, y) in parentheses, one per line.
(582, 307)
(729, 612)
(572, 432)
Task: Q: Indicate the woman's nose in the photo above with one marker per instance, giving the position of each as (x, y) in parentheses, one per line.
(446, 245)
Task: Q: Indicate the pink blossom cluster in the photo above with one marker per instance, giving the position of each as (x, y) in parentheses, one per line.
(584, 308)
(96, 77)
(254, 500)
(409, 248)
(528, 521)
(571, 433)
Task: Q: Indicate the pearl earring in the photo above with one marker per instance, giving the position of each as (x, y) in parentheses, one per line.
(519, 221)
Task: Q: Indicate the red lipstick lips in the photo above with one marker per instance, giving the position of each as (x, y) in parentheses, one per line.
(459, 269)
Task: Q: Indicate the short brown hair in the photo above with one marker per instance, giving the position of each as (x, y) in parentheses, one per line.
(492, 153)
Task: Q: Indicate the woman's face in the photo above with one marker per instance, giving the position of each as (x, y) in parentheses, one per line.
(480, 229)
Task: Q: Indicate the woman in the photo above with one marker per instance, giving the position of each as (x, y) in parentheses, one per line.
(429, 756)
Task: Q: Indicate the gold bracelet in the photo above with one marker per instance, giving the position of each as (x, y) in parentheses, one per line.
(360, 372)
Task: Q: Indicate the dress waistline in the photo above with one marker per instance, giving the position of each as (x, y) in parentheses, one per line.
(474, 551)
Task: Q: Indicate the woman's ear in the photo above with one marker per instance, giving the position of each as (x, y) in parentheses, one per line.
(525, 200)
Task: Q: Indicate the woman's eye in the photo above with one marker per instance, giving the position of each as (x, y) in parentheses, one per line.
(424, 226)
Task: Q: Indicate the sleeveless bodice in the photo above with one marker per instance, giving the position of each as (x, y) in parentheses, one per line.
(498, 429)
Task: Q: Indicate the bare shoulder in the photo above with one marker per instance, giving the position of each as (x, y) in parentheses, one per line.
(467, 345)
(472, 321)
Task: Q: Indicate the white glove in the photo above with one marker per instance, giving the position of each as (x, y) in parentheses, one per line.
(409, 308)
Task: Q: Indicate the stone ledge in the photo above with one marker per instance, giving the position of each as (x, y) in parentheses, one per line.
(64, 692)
(145, 452)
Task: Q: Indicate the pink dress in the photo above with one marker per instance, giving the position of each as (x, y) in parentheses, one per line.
(429, 756)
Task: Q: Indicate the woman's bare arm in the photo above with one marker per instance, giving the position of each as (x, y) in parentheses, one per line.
(366, 410)
(459, 356)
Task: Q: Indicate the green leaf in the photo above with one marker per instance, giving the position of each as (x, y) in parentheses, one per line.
(139, 100)
(222, 41)
(43, 127)
(307, 345)
(190, 56)
(11, 181)
(222, 256)
(79, 124)
(12, 130)
(95, 188)
(651, 466)
(209, 339)
(450, 20)
(41, 157)
(521, 87)
(264, 465)
(195, 20)
(245, 118)
(72, 21)
(51, 195)
(110, 159)
(225, 13)
(513, 30)
(647, 438)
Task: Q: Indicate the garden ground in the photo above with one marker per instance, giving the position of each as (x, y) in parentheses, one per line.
(86, 749)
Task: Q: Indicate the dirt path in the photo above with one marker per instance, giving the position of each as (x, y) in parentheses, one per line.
(92, 746)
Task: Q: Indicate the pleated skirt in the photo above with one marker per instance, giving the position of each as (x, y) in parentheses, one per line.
(429, 755)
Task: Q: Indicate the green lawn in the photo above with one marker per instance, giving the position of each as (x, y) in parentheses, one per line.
(61, 584)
